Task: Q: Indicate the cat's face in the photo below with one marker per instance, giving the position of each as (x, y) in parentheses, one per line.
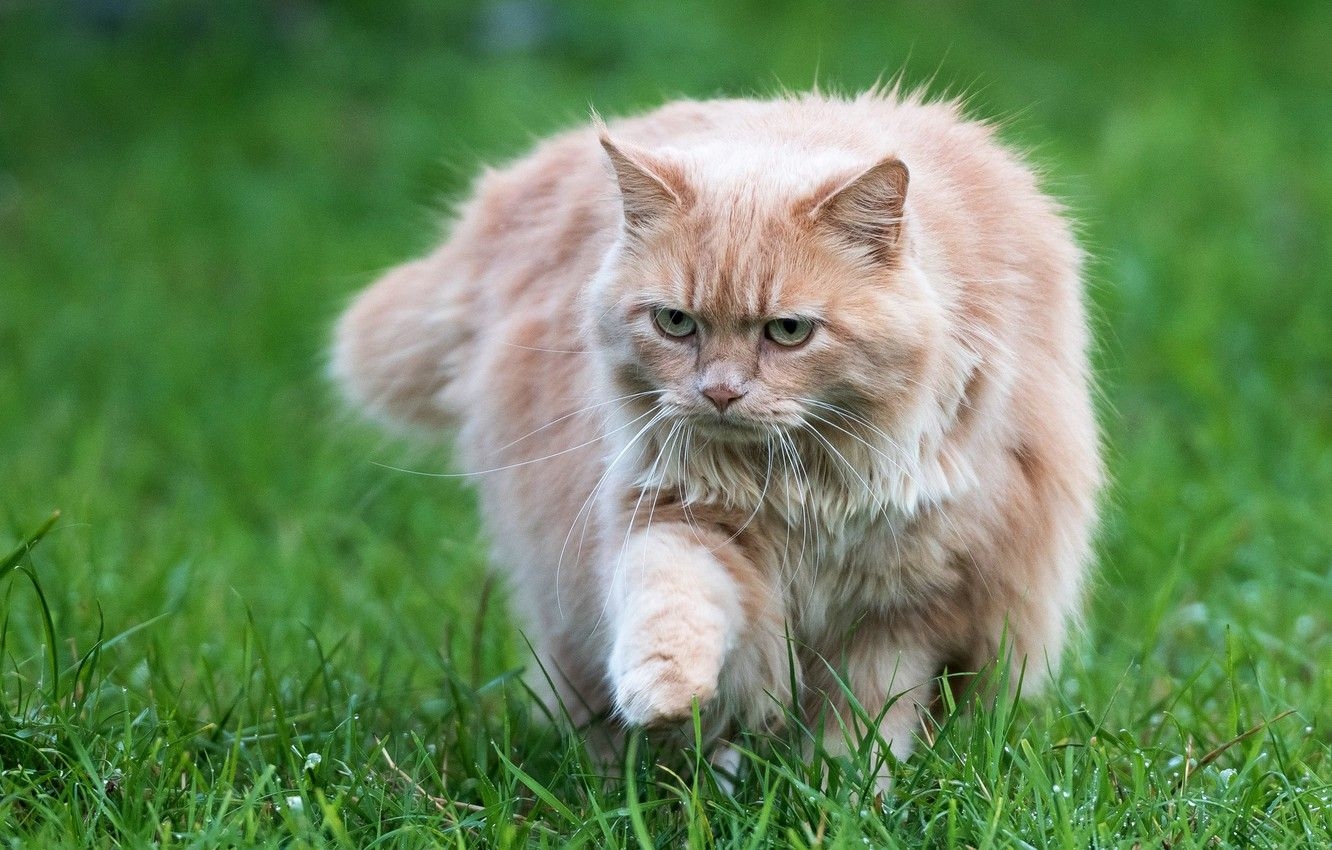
(742, 316)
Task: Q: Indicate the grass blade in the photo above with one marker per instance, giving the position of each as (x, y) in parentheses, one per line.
(49, 626)
(13, 559)
(540, 790)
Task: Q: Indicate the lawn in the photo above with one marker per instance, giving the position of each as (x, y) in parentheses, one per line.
(247, 628)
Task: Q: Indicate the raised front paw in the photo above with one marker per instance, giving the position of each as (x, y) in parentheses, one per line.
(660, 689)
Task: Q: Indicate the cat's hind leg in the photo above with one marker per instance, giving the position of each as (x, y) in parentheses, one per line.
(893, 684)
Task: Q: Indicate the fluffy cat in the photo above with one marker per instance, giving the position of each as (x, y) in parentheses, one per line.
(749, 381)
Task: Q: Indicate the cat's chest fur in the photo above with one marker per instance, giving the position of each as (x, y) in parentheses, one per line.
(829, 538)
(868, 559)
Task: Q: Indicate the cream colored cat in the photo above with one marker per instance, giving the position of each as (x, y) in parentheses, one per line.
(739, 376)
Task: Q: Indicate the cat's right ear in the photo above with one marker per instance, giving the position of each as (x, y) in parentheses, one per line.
(651, 188)
(866, 210)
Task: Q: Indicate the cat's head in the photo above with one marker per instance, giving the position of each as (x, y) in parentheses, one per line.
(747, 298)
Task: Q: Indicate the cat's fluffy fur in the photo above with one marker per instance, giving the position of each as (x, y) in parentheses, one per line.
(678, 518)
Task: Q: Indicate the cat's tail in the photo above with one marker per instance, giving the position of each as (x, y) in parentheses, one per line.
(397, 348)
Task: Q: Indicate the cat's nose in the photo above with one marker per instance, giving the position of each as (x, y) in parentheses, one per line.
(721, 396)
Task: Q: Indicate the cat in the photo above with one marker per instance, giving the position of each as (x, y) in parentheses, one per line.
(754, 384)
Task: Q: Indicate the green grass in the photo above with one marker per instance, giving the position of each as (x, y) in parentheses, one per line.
(236, 583)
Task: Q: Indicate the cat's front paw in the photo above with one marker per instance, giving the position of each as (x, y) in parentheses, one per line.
(660, 689)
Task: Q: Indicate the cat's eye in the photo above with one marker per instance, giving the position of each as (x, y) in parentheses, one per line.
(674, 323)
(789, 331)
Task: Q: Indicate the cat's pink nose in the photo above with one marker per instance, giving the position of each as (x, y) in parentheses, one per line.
(722, 395)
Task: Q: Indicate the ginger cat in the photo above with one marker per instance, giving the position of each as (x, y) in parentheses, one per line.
(738, 377)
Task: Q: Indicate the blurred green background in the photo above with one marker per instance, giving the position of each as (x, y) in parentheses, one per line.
(190, 191)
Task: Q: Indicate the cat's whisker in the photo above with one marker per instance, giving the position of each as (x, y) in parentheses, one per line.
(849, 416)
(944, 516)
(758, 504)
(629, 527)
(787, 518)
(630, 444)
(862, 441)
(902, 470)
(588, 506)
(807, 529)
(786, 498)
(837, 453)
(874, 429)
(800, 470)
(897, 464)
(686, 505)
(880, 503)
(649, 483)
(528, 462)
(621, 400)
(666, 450)
(877, 499)
(546, 350)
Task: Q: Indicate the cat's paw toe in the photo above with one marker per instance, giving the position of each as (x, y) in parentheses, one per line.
(660, 690)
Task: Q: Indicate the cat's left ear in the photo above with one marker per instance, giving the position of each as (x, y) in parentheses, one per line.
(651, 187)
(868, 208)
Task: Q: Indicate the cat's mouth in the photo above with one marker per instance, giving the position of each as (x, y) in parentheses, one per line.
(729, 429)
